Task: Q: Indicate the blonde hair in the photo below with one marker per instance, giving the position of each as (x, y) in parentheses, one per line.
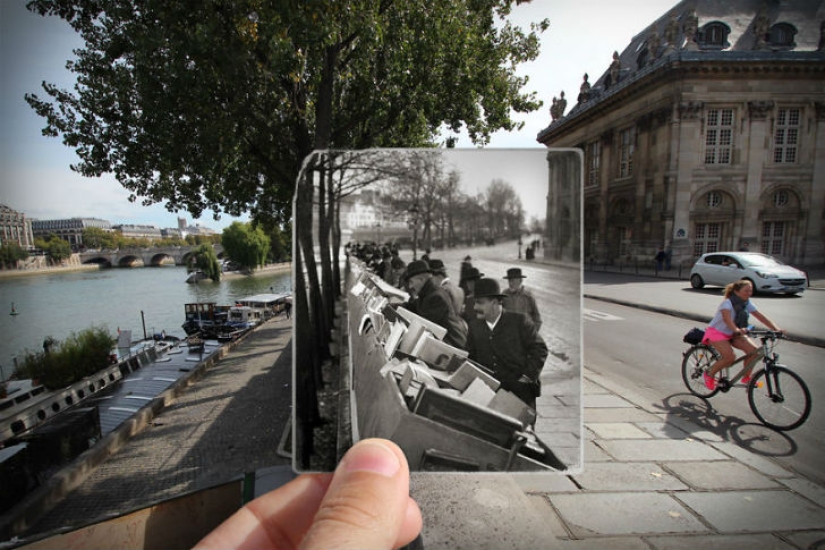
(733, 287)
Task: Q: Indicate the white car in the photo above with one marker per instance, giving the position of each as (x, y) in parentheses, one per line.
(766, 273)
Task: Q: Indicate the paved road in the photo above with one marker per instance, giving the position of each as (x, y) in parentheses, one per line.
(801, 316)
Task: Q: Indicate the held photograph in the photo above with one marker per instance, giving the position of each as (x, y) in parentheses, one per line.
(437, 303)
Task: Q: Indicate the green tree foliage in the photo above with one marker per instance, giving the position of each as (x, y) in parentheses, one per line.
(10, 254)
(193, 240)
(280, 242)
(56, 248)
(96, 237)
(61, 364)
(216, 107)
(171, 241)
(205, 259)
(246, 245)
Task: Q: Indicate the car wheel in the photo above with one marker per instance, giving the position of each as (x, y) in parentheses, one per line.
(696, 281)
(753, 285)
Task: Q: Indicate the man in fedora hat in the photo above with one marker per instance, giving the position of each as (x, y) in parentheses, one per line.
(468, 308)
(507, 343)
(439, 271)
(466, 266)
(434, 304)
(519, 299)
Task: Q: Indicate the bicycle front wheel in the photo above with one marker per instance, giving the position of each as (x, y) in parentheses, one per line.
(779, 399)
(696, 363)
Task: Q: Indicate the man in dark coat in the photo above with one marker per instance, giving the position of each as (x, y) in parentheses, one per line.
(434, 303)
(440, 278)
(519, 299)
(468, 310)
(466, 266)
(507, 343)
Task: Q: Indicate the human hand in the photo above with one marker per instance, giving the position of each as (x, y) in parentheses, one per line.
(364, 504)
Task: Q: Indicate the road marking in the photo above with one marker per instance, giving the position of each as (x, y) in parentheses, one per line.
(593, 315)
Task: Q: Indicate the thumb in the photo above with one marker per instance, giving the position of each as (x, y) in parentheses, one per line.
(367, 504)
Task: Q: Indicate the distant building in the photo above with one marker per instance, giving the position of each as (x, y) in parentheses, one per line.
(15, 228)
(70, 230)
(706, 133)
(132, 231)
(367, 215)
(197, 229)
(171, 233)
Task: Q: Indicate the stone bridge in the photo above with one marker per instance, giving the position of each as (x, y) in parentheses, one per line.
(134, 257)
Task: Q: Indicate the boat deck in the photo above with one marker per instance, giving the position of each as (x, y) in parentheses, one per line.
(140, 387)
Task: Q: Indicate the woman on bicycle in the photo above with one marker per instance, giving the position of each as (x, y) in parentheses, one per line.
(729, 327)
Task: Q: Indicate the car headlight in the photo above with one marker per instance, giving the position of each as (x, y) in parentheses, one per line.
(766, 274)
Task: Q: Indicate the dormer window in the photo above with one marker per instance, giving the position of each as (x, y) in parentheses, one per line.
(781, 36)
(641, 59)
(713, 36)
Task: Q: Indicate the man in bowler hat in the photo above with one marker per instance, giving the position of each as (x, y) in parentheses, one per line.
(434, 303)
(519, 299)
(439, 271)
(506, 342)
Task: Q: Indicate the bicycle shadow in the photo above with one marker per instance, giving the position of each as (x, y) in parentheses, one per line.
(692, 415)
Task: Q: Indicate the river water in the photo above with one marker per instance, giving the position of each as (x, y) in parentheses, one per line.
(59, 304)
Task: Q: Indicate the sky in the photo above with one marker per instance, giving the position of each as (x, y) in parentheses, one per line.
(35, 177)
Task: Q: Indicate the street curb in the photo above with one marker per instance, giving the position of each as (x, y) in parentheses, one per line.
(801, 339)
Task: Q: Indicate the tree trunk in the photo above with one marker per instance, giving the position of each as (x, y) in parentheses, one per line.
(306, 390)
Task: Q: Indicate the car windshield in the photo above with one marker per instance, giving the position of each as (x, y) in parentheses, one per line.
(759, 260)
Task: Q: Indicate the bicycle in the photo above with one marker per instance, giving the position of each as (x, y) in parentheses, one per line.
(778, 396)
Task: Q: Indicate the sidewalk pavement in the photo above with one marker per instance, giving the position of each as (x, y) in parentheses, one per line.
(652, 479)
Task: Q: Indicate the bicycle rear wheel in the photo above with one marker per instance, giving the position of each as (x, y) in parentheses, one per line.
(696, 363)
(783, 401)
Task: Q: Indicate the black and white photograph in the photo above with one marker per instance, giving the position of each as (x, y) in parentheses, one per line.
(438, 305)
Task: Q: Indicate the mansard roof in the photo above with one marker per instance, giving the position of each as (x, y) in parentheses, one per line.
(711, 30)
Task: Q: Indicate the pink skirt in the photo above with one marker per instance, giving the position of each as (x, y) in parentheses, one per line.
(714, 335)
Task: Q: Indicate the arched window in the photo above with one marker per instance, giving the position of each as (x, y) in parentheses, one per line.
(781, 36)
(641, 59)
(713, 36)
(714, 199)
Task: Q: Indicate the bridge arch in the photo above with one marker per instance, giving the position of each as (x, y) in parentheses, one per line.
(102, 261)
(160, 258)
(130, 260)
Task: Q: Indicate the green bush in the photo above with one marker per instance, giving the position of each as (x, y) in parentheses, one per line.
(61, 364)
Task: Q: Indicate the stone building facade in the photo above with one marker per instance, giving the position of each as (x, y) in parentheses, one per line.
(15, 227)
(70, 229)
(706, 133)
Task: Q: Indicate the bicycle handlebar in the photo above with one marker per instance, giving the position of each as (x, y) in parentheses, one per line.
(766, 333)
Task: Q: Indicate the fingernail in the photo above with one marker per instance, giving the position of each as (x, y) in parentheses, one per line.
(373, 457)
